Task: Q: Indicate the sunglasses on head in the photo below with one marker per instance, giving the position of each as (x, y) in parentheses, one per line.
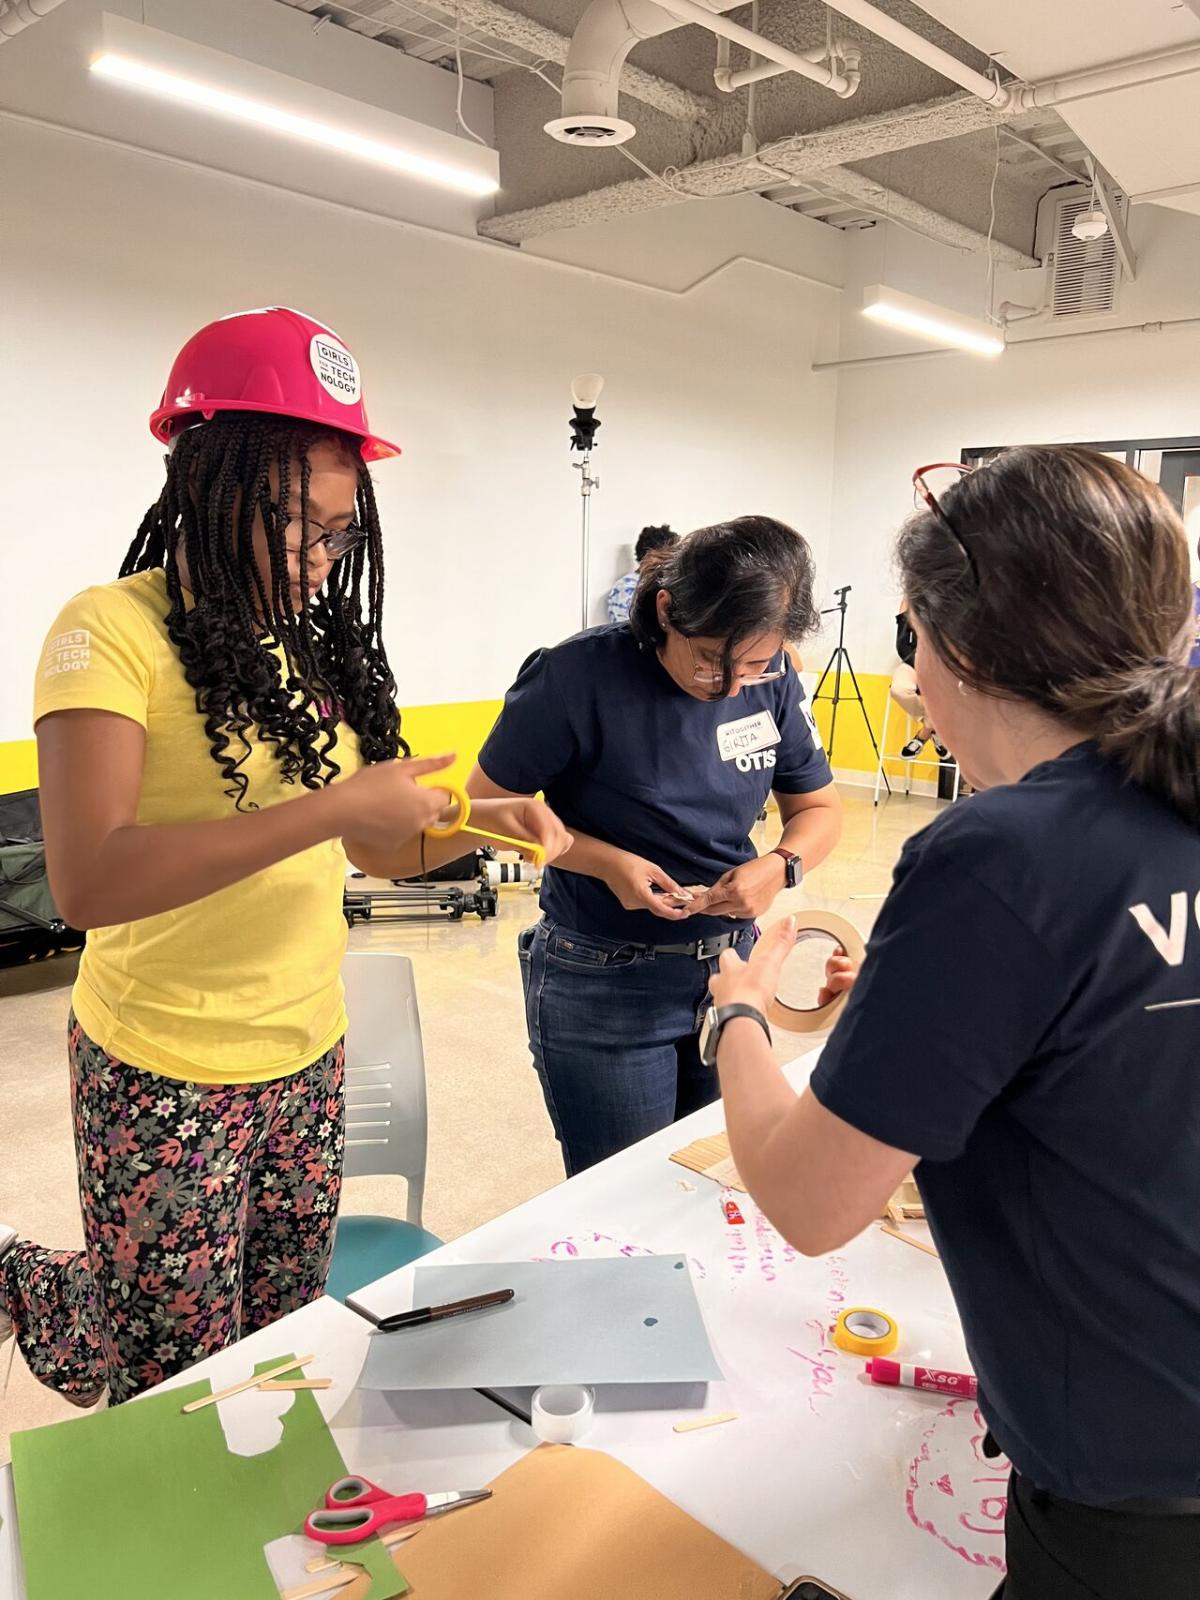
(929, 485)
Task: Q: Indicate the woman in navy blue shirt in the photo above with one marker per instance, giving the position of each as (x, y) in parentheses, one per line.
(1053, 1116)
(657, 742)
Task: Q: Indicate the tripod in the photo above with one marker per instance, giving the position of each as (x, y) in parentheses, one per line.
(834, 665)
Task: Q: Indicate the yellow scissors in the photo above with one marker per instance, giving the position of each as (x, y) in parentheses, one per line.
(446, 830)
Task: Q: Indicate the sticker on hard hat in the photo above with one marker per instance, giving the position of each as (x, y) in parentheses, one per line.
(336, 369)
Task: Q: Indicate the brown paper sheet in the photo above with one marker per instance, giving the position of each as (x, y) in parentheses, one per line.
(566, 1523)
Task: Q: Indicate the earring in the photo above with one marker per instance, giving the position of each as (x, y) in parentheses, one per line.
(962, 688)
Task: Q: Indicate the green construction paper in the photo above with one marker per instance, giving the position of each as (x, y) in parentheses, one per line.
(375, 1556)
(142, 1502)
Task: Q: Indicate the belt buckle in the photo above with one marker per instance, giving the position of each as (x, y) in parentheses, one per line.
(703, 953)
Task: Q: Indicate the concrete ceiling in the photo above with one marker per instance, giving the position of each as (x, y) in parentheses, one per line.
(850, 162)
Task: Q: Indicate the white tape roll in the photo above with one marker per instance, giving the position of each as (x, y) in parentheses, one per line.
(820, 1018)
(562, 1412)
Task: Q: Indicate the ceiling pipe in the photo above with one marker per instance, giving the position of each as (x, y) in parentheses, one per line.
(848, 54)
(885, 27)
(17, 15)
(806, 63)
(1027, 96)
(1010, 344)
(1117, 75)
(606, 33)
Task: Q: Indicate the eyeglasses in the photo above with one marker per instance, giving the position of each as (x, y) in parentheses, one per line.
(929, 484)
(702, 673)
(336, 544)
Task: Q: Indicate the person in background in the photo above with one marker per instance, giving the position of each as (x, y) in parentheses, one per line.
(1053, 1115)
(904, 691)
(620, 596)
(658, 741)
(217, 732)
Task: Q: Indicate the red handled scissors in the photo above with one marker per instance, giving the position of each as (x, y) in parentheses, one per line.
(356, 1509)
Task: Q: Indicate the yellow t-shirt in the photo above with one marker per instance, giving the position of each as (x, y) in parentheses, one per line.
(244, 985)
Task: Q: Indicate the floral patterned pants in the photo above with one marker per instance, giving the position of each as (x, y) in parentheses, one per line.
(208, 1212)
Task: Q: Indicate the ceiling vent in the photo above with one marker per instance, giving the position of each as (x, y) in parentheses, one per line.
(591, 128)
(1085, 274)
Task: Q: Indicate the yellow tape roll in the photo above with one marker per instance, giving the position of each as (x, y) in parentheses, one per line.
(820, 1018)
(863, 1331)
(456, 824)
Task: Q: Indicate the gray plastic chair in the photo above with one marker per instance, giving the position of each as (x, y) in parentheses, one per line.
(387, 1119)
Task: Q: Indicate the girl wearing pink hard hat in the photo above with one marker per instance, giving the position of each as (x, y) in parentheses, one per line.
(217, 732)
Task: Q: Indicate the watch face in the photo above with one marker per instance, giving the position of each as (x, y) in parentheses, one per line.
(708, 1052)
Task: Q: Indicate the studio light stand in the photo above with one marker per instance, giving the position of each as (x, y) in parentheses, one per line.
(585, 391)
(840, 658)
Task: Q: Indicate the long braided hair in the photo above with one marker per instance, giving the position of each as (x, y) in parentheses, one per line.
(260, 670)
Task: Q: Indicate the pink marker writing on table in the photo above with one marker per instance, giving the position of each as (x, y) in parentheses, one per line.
(962, 1384)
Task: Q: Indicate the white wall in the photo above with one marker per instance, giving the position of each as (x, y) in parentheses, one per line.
(894, 418)
(112, 258)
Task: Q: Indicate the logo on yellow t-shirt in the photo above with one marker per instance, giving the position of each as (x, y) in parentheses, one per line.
(67, 652)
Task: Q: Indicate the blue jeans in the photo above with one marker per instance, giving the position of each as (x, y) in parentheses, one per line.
(614, 1031)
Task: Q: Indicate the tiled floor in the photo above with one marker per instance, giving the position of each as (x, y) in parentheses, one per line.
(490, 1144)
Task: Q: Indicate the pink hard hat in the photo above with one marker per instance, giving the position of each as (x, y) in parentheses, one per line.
(272, 360)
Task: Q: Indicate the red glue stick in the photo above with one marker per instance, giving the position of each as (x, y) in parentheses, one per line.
(962, 1384)
(733, 1214)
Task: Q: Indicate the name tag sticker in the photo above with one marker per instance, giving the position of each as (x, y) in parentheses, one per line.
(746, 735)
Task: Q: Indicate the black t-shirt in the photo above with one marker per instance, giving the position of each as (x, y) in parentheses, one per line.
(1047, 932)
(623, 754)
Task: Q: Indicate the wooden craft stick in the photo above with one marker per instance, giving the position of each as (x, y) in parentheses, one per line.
(706, 1422)
(246, 1383)
(917, 1244)
(271, 1386)
(326, 1585)
(396, 1536)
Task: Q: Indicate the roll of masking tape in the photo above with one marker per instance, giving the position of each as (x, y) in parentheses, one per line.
(561, 1413)
(863, 1331)
(817, 925)
(462, 815)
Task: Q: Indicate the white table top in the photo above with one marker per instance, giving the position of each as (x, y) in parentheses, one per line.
(881, 1492)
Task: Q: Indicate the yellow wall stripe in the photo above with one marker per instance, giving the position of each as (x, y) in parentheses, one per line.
(462, 727)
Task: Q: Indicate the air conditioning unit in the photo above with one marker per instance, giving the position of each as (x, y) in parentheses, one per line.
(1085, 274)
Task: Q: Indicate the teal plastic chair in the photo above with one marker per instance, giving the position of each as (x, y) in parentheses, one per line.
(387, 1117)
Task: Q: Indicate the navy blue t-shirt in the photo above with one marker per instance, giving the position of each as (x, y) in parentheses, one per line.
(624, 754)
(1047, 932)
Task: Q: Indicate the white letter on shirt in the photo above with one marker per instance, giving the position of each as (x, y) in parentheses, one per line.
(1170, 946)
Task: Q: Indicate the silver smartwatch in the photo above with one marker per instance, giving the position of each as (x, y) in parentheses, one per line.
(714, 1025)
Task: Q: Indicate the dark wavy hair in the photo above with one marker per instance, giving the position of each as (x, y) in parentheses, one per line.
(655, 537)
(732, 582)
(1060, 577)
(261, 671)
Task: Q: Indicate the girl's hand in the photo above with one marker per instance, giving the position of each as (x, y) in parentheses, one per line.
(521, 818)
(382, 805)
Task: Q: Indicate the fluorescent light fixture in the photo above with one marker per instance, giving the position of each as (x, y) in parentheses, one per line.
(253, 112)
(930, 321)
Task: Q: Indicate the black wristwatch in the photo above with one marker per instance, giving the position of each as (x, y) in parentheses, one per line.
(794, 867)
(714, 1025)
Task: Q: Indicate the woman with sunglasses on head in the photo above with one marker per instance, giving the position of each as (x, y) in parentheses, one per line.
(217, 732)
(1053, 1116)
(658, 742)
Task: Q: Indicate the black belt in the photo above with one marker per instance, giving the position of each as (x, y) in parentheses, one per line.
(1184, 1505)
(699, 949)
